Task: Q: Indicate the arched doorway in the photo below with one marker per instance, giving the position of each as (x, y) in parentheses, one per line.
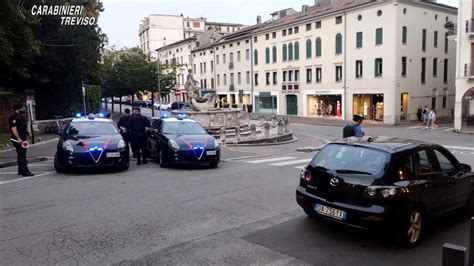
(467, 110)
(291, 105)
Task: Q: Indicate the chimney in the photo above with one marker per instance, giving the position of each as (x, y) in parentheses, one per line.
(304, 8)
(259, 19)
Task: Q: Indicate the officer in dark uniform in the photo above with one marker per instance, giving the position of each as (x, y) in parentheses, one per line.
(124, 125)
(18, 131)
(354, 129)
(139, 125)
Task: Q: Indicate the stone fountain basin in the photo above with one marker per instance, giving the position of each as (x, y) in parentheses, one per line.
(216, 119)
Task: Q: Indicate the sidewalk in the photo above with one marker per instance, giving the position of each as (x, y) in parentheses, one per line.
(40, 151)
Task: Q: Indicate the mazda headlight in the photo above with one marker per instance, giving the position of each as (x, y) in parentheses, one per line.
(121, 145)
(216, 144)
(173, 145)
(67, 146)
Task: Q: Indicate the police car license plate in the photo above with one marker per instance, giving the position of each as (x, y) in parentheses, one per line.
(113, 154)
(331, 212)
(211, 152)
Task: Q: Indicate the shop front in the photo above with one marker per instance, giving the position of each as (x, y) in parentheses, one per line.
(323, 104)
(371, 106)
(266, 103)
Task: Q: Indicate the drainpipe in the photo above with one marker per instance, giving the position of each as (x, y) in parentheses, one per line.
(344, 113)
(251, 75)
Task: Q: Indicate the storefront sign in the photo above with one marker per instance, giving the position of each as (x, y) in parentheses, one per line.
(323, 92)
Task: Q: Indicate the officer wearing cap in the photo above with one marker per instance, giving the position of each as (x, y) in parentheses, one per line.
(18, 131)
(354, 129)
(139, 125)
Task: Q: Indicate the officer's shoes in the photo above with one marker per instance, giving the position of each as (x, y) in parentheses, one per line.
(28, 174)
(145, 161)
(139, 162)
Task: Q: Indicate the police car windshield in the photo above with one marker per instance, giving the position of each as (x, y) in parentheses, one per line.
(88, 128)
(347, 159)
(183, 128)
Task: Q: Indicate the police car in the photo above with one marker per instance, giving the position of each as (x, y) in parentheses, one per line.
(90, 142)
(182, 141)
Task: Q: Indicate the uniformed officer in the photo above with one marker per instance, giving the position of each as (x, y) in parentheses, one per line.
(139, 125)
(124, 125)
(18, 130)
(354, 129)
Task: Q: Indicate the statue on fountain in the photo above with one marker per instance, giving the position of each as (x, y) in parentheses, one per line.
(198, 103)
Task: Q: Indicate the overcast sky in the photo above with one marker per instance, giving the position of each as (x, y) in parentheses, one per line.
(121, 18)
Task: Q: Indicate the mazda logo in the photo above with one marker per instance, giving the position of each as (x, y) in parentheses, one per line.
(334, 182)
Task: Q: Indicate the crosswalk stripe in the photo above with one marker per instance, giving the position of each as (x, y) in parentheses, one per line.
(271, 160)
(301, 166)
(291, 162)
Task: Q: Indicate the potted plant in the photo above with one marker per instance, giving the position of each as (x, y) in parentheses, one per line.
(234, 105)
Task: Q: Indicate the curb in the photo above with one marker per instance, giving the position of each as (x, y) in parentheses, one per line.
(34, 145)
(32, 160)
(295, 139)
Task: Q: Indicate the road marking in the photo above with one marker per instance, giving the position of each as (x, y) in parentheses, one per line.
(8, 173)
(301, 166)
(414, 127)
(449, 129)
(24, 178)
(459, 148)
(292, 162)
(271, 160)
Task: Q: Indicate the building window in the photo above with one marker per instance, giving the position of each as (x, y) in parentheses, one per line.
(284, 76)
(274, 35)
(423, 40)
(267, 55)
(205, 68)
(338, 73)
(224, 59)
(423, 70)
(319, 74)
(338, 43)
(297, 51)
(239, 78)
(309, 75)
(379, 13)
(297, 75)
(255, 57)
(283, 32)
(434, 95)
(378, 67)
(435, 39)
(284, 52)
(435, 67)
(379, 36)
(247, 54)
(274, 78)
(255, 39)
(446, 42)
(359, 39)
(318, 47)
(290, 75)
(212, 83)
(218, 80)
(445, 73)
(404, 66)
(267, 36)
(194, 68)
(404, 35)
(308, 48)
(238, 56)
(256, 79)
(247, 77)
(317, 25)
(225, 79)
(359, 17)
(359, 69)
(232, 79)
(445, 98)
(338, 19)
(308, 27)
(290, 31)
(297, 30)
(267, 75)
(290, 51)
(274, 54)
(212, 66)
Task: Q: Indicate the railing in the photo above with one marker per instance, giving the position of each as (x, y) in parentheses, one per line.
(468, 70)
(470, 26)
(231, 65)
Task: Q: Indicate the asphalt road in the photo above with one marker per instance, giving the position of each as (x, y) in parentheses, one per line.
(243, 212)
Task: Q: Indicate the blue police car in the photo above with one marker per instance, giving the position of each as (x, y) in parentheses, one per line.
(182, 141)
(90, 142)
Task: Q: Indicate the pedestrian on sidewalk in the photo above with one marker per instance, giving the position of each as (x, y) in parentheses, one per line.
(19, 132)
(425, 116)
(429, 118)
(139, 126)
(419, 113)
(124, 125)
(433, 119)
(354, 129)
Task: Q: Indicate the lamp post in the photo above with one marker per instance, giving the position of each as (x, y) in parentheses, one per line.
(83, 95)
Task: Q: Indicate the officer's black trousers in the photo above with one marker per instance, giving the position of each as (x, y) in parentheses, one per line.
(21, 158)
(139, 146)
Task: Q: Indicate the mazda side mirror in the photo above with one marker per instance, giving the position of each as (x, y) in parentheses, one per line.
(466, 168)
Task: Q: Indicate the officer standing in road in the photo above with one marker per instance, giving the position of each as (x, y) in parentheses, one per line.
(139, 125)
(124, 125)
(18, 131)
(354, 129)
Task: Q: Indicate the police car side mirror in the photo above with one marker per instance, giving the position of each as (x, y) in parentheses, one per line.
(466, 168)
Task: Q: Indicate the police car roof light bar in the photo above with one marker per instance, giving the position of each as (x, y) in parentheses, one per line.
(78, 115)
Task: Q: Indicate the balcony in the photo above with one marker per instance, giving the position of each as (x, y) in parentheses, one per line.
(231, 65)
(469, 27)
(468, 71)
(231, 88)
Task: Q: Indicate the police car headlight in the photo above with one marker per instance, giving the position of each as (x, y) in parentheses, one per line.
(173, 145)
(67, 146)
(216, 144)
(121, 145)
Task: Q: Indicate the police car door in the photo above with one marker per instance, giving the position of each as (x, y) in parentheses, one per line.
(154, 138)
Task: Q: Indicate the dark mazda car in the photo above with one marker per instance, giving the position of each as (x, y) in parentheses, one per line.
(182, 141)
(90, 143)
(387, 182)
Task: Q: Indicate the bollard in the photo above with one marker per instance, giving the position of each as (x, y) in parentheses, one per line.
(237, 133)
(253, 131)
(281, 127)
(454, 255)
(471, 243)
(222, 134)
(266, 130)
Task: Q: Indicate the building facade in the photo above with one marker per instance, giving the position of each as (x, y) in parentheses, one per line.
(463, 36)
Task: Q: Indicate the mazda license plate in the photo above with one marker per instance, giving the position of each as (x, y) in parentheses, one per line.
(331, 212)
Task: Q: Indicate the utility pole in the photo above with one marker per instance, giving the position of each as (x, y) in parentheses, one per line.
(84, 95)
(159, 87)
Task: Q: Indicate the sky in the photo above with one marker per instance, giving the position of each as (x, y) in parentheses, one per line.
(121, 18)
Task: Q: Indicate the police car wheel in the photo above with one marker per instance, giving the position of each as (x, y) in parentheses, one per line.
(162, 159)
(58, 166)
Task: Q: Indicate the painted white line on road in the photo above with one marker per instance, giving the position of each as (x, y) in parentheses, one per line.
(8, 173)
(414, 127)
(271, 160)
(449, 129)
(301, 166)
(459, 148)
(24, 178)
(292, 162)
